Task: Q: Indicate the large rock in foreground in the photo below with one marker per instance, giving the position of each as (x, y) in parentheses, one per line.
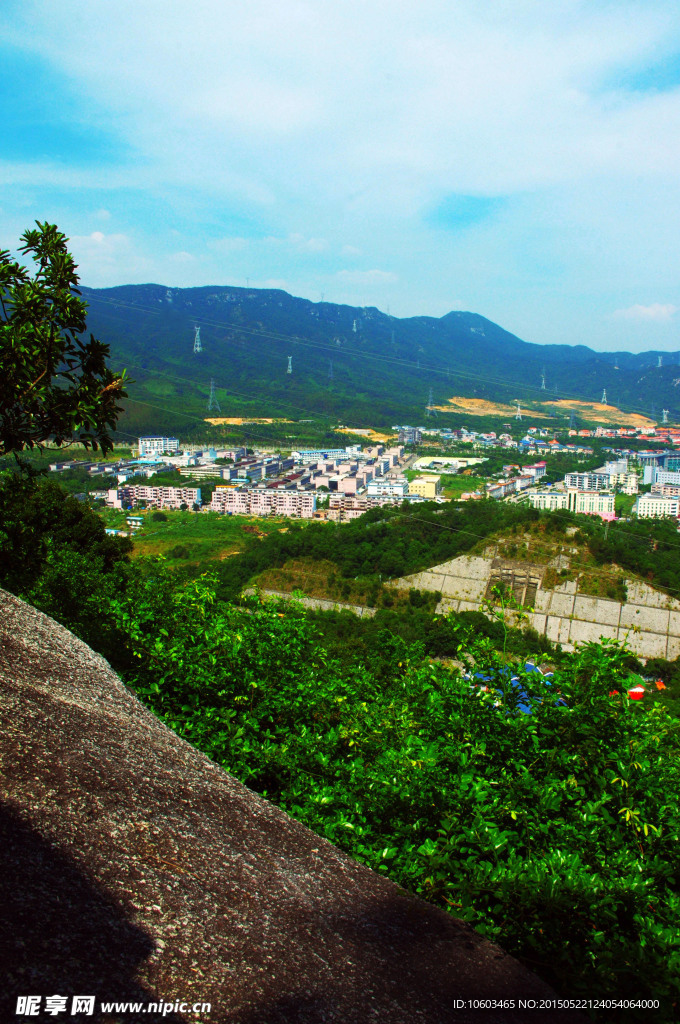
(134, 868)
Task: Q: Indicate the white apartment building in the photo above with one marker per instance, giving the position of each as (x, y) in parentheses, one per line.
(298, 504)
(211, 471)
(390, 487)
(668, 490)
(156, 497)
(157, 445)
(307, 455)
(599, 480)
(591, 503)
(656, 506)
(629, 483)
(549, 500)
(662, 476)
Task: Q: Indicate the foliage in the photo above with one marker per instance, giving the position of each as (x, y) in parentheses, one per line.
(384, 543)
(554, 832)
(54, 385)
(40, 522)
(376, 379)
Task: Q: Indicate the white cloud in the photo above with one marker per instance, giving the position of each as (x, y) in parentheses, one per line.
(102, 258)
(182, 257)
(362, 277)
(297, 242)
(228, 245)
(273, 133)
(657, 311)
(303, 244)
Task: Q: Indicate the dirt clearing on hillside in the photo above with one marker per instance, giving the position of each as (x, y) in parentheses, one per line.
(238, 421)
(593, 412)
(603, 413)
(368, 432)
(482, 407)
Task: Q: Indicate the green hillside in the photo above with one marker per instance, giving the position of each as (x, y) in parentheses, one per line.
(355, 364)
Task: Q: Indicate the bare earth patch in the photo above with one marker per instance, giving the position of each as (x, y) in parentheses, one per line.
(482, 407)
(238, 421)
(605, 413)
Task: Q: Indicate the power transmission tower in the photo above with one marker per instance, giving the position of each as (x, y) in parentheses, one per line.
(518, 414)
(197, 340)
(664, 415)
(604, 396)
(572, 420)
(660, 361)
(543, 379)
(290, 365)
(330, 369)
(213, 404)
(354, 326)
(429, 408)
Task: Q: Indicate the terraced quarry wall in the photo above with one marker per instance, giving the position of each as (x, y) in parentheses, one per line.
(649, 619)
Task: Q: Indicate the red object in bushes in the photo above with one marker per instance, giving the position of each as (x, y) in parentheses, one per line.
(637, 693)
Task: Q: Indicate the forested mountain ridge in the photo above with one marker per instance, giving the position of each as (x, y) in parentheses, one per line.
(358, 364)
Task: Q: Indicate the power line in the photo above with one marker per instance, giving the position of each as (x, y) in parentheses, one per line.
(556, 513)
(276, 336)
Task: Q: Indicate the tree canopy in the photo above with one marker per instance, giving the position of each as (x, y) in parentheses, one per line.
(55, 386)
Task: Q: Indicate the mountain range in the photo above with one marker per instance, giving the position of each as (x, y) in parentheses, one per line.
(354, 363)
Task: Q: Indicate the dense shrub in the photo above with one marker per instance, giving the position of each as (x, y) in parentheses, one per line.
(554, 832)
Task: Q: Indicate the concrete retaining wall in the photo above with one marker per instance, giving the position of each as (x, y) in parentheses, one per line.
(649, 620)
(318, 602)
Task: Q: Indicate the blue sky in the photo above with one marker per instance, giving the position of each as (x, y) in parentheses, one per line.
(517, 159)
